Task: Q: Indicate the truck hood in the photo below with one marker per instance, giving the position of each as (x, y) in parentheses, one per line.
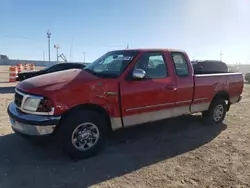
(56, 81)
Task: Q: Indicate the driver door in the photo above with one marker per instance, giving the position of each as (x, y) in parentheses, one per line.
(149, 99)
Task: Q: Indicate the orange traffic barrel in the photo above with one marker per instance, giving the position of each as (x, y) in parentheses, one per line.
(26, 66)
(32, 67)
(19, 67)
(13, 73)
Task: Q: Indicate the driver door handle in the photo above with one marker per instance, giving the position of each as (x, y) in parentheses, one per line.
(171, 87)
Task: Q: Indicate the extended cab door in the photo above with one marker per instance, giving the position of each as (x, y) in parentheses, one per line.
(184, 82)
(151, 98)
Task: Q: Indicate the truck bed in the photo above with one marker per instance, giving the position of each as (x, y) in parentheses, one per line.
(208, 85)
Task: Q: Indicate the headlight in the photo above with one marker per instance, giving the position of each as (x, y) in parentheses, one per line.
(31, 104)
(45, 105)
(38, 105)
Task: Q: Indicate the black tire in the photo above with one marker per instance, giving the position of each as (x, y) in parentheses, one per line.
(71, 124)
(210, 116)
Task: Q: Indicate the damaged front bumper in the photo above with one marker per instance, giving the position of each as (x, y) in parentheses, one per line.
(29, 124)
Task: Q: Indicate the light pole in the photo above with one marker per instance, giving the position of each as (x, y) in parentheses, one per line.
(48, 35)
(56, 46)
(221, 54)
(84, 53)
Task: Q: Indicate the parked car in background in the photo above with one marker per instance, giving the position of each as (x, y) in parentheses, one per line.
(247, 77)
(121, 89)
(53, 68)
(209, 67)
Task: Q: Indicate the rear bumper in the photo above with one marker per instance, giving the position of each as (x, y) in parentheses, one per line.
(33, 125)
(235, 99)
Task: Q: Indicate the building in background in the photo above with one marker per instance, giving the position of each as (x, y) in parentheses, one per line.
(3, 57)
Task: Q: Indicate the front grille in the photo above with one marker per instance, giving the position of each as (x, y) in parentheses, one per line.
(18, 99)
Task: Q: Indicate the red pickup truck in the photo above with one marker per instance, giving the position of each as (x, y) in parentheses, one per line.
(120, 89)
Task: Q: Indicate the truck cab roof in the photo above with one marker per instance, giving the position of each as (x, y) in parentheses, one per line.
(153, 49)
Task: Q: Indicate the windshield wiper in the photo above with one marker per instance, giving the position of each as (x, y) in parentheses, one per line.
(91, 72)
(101, 74)
(88, 70)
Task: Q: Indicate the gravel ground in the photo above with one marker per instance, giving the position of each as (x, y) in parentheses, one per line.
(181, 152)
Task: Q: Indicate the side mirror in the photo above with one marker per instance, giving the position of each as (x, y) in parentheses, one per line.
(139, 74)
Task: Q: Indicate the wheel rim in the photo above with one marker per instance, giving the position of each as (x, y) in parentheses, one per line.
(85, 136)
(218, 112)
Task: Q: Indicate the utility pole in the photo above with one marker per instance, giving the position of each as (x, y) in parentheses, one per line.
(84, 53)
(221, 54)
(56, 46)
(48, 35)
(127, 46)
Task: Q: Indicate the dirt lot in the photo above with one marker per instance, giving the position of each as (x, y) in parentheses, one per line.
(180, 152)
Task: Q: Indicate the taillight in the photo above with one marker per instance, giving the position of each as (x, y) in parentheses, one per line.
(45, 105)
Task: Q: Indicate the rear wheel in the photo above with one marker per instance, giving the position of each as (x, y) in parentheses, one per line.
(83, 133)
(216, 112)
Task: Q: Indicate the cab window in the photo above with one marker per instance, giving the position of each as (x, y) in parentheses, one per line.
(180, 64)
(153, 64)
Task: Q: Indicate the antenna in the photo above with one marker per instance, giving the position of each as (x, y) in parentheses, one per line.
(48, 35)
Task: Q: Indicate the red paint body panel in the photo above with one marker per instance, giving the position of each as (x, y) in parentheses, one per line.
(146, 93)
(70, 88)
(136, 94)
(207, 86)
(185, 86)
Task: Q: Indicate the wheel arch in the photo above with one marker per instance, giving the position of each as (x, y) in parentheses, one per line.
(88, 106)
(221, 95)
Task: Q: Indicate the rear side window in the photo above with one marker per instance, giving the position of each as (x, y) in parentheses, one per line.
(180, 64)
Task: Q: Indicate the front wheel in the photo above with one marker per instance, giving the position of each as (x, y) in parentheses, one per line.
(216, 112)
(83, 133)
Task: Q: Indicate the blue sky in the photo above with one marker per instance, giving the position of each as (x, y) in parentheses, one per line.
(203, 28)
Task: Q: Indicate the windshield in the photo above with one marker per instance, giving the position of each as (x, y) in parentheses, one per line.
(112, 64)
